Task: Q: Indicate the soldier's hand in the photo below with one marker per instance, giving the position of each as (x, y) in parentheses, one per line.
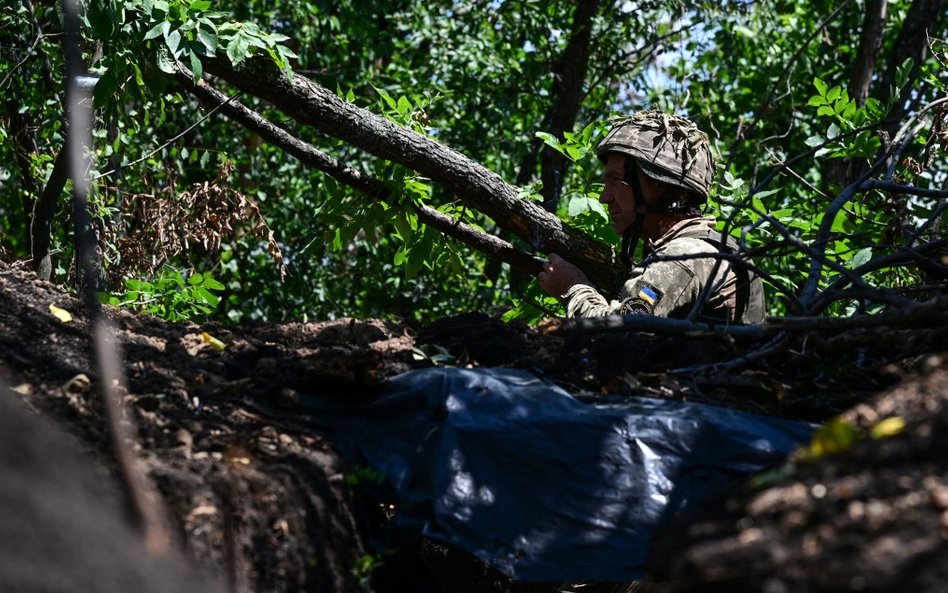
(558, 275)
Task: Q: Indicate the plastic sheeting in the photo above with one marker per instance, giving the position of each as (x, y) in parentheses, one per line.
(541, 485)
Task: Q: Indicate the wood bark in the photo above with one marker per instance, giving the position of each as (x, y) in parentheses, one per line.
(476, 186)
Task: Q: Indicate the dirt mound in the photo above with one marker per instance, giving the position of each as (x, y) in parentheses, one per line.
(258, 497)
(873, 517)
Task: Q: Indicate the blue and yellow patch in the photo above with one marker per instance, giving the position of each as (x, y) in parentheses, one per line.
(649, 295)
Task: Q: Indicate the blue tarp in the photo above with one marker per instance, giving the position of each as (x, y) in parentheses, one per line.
(539, 484)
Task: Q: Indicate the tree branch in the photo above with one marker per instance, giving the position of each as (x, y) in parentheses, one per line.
(479, 188)
(809, 292)
(924, 315)
(311, 156)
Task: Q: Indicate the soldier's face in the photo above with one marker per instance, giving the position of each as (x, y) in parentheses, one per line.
(616, 195)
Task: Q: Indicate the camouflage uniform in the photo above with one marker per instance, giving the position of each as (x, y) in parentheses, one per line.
(668, 283)
(670, 287)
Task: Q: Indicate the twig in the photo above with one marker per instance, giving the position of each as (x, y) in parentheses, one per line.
(889, 186)
(776, 344)
(809, 292)
(168, 142)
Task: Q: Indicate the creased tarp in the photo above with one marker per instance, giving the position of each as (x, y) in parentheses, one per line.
(543, 486)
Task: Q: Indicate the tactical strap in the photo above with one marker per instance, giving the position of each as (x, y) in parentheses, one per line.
(630, 237)
(713, 237)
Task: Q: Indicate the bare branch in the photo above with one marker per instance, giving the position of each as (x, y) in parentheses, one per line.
(916, 315)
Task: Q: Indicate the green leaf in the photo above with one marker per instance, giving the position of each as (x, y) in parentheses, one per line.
(820, 86)
(403, 227)
(745, 32)
(903, 71)
(404, 105)
(197, 68)
(208, 38)
(850, 111)
(237, 49)
(550, 140)
(157, 30)
(836, 436)
(862, 256)
(386, 97)
(166, 62)
(173, 41)
(212, 284)
(401, 256)
(577, 205)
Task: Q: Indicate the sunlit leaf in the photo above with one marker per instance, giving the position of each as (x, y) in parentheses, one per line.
(60, 314)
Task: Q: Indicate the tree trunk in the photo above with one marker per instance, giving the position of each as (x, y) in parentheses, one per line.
(922, 18)
(568, 89)
(839, 171)
(869, 44)
(476, 186)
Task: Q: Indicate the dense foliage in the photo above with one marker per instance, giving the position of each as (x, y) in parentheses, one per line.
(522, 86)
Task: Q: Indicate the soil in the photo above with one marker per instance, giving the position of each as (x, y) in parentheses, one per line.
(260, 500)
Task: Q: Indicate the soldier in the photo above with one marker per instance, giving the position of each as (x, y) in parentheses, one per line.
(657, 176)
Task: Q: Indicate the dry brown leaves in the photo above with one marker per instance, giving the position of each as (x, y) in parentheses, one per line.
(159, 227)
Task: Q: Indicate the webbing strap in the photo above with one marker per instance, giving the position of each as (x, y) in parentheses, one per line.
(713, 237)
(630, 237)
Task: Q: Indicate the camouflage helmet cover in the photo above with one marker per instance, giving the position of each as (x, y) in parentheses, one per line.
(668, 148)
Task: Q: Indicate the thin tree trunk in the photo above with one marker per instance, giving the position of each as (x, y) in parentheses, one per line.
(570, 76)
(312, 157)
(912, 42)
(870, 42)
(839, 171)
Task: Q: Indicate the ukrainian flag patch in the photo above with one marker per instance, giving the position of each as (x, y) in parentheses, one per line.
(649, 295)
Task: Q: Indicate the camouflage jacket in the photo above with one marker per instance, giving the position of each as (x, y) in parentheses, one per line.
(671, 279)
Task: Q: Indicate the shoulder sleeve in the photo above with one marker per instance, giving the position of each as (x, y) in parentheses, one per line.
(583, 300)
(666, 287)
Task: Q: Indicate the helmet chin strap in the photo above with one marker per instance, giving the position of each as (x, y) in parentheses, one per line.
(630, 238)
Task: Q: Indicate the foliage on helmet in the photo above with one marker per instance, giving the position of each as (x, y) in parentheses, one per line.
(667, 147)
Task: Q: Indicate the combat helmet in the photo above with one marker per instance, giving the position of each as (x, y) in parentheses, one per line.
(666, 147)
